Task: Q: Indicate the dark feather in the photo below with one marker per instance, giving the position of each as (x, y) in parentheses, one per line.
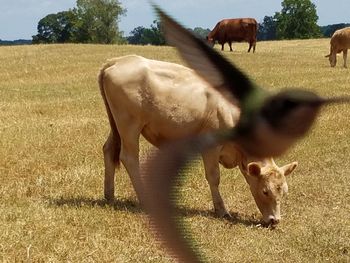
(160, 175)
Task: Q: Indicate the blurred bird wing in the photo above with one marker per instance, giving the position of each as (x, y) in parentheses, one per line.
(161, 178)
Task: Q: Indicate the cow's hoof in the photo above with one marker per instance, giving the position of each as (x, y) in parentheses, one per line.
(223, 214)
(227, 216)
(109, 198)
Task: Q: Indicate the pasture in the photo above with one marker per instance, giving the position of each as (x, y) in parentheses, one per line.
(52, 128)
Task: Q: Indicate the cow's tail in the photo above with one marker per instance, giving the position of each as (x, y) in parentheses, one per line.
(114, 137)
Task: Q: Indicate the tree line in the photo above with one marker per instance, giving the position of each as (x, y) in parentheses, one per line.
(96, 21)
(91, 21)
(15, 42)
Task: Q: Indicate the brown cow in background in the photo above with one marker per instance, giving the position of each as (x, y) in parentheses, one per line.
(340, 41)
(234, 30)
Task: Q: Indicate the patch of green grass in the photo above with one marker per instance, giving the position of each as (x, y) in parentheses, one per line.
(52, 128)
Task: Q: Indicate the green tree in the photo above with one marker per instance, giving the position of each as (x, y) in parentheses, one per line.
(157, 34)
(136, 35)
(267, 29)
(144, 36)
(98, 21)
(200, 32)
(92, 21)
(327, 31)
(56, 28)
(297, 20)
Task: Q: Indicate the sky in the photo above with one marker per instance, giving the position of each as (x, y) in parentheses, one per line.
(19, 18)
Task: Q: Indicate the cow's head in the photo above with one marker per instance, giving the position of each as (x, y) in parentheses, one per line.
(268, 185)
(332, 59)
(210, 41)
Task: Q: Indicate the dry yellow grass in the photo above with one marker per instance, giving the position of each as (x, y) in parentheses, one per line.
(53, 125)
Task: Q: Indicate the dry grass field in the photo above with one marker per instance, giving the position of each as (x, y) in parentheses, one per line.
(52, 128)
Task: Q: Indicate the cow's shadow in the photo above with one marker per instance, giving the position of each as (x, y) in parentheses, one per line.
(129, 205)
(133, 206)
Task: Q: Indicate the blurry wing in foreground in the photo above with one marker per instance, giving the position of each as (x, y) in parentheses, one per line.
(161, 178)
(209, 64)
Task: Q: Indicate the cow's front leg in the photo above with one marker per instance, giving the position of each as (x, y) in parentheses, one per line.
(129, 153)
(212, 174)
(345, 56)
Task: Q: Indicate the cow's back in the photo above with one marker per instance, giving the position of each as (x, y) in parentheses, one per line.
(168, 100)
(236, 29)
(341, 39)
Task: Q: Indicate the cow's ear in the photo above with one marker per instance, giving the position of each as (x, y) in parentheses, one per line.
(327, 56)
(254, 169)
(289, 168)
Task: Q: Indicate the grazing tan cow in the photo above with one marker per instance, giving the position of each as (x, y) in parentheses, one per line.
(340, 41)
(234, 30)
(164, 102)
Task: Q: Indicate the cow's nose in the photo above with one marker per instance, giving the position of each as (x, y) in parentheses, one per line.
(273, 220)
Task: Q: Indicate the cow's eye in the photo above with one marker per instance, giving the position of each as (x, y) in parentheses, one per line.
(265, 192)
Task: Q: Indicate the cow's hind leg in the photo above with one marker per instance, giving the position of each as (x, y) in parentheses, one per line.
(212, 174)
(111, 150)
(345, 56)
(250, 46)
(230, 44)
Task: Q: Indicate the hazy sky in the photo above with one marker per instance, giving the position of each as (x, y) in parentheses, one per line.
(19, 18)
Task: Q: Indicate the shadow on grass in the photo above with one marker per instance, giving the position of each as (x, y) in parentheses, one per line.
(117, 204)
(133, 206)
(235, 219)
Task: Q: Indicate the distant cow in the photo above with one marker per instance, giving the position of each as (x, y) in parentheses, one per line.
(234, 30)
(340, 41)
(165, 101)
